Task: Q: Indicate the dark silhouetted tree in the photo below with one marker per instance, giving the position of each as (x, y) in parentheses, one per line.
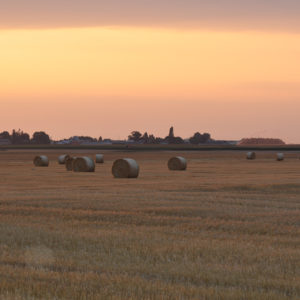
(5, 135)
(145, 138)
(135, 136)
(171, 132)
(159, 140)
(40, 137)
(87, 138)
(171, 139)
(176, 140)
(151, 139)
(206, 137)
(199, 138)
(19, 137)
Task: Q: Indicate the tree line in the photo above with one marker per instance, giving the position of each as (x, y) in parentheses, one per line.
(20, 137)
(145, 138)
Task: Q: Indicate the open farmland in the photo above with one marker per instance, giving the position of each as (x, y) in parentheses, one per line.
(226, 228)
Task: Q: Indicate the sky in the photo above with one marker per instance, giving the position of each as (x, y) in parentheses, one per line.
(106, 68)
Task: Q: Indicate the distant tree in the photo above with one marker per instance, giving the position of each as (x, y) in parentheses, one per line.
(177, 140)
(87, 138)
(145, 138)
(199, 138)
(171, 139)
(206, 137)
(196, 139)
(159, 140)
(40, 137)
(20, 137)
(135, 136)
(14, 136)
(5, 135)
(100, 139)
(151, 139)
(171, 132)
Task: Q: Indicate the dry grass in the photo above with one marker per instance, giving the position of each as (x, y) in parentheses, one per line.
(227, 228)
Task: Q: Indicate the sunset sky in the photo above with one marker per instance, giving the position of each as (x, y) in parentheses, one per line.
(94, 67)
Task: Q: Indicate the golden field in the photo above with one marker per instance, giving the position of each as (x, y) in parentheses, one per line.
(227, 228)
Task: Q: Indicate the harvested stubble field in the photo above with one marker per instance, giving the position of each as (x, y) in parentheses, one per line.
(227, 228)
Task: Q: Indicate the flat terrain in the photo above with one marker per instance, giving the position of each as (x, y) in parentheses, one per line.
(227, 228)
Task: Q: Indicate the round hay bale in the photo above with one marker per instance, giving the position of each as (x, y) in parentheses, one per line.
(280, 156)
(177, 163)
(99, 159)
(251, 155)
(63, 158)
(125, 168)
(69, 163)
(83, 164)
(41, 161)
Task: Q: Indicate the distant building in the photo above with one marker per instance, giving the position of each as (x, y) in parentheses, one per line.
(119, 142)
(75, 140)
(5, 142)
(63, 142)
(261, 141)
(106, 142)
(222, 142)
(89, 143)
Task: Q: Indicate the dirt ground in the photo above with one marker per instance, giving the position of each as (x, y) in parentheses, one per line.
(226, 228)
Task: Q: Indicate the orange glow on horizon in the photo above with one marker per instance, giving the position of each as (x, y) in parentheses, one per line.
(129, 69)
(148, 64)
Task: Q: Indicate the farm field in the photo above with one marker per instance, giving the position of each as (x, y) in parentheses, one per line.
(226, 228)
